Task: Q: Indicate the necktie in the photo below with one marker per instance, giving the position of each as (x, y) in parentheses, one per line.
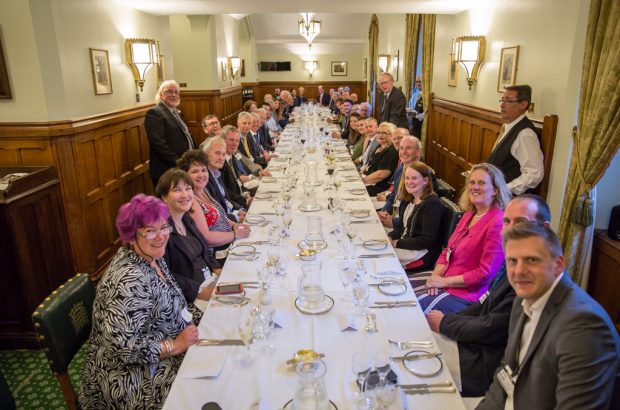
(502, 130)
(246, 146)
(385, 97)
(190, 141)
(239, 166)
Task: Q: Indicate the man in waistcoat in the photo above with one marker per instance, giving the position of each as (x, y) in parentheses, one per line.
(517, 150)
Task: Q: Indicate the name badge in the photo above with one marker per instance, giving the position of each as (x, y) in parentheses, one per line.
(186, 315)
(484, 297)
(507, 382)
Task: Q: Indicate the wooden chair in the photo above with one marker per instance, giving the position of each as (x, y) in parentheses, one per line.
(62, 323)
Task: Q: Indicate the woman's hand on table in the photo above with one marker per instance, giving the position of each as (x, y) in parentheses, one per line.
(205, 293)
(241, 216)
(385, 218)
(242, 231)
(187, 337)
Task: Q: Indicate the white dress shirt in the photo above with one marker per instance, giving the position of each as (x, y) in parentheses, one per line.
(526, 150)
(533, 313)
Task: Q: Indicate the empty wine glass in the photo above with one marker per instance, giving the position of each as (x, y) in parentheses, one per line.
(381, 362)
(274, 234)
(346, 274)
(246, 334)
(361, 293)
(386, 395)
(351, 232)
(362, 366)
(287, 219)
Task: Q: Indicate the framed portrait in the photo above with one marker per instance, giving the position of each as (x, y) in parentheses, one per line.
(5, 87)
(100, 66)
(453, 70)
(339, 68)
(242, 68)
(160, 71)
(507, 68)
(365, 68)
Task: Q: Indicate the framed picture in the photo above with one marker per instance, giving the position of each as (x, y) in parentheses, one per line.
(507, 68)
(223, 65)
(453, 70)
(365, 68)
(160, 71)
(5, 87)
(339, 68)
(100, 65)
(242, 68)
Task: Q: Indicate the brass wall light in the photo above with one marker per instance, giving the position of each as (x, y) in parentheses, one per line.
(470, 51)
(235, 65)
(311, 66)
(383, 61)
(141, 53)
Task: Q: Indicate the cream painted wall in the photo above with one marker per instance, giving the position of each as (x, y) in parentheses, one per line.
(47, 48)
(392, 30)
(247, 51)
(551, 36)
(22, 59)
(323, 73)
(227, 45)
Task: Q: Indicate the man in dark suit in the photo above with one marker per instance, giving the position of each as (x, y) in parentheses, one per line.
(166, 132)
(417, 114)
(234, 203)
(248, 143)
(324, 98)
(481, 330)
(392, 103)
(300, 98)
(517, 150)
(563, 350)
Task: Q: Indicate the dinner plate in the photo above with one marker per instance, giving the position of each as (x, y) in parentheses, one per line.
(254, 219)
(269, 180)
(423, 367)
(320, 245)
(326, 306)
(242, 250)
(360, 213)
(310, 208)
(262, 195)
(357, 191)
(392, 288)
(375, 244)
(289, 405)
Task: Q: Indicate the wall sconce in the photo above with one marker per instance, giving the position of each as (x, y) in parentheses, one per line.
(235, 65)
(383, 61)
(310, 66)
(141, 53)
(469, 51)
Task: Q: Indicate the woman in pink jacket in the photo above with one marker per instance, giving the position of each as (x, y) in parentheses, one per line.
(474, 253)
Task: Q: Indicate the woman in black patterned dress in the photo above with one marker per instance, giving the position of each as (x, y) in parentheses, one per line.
(141, 324)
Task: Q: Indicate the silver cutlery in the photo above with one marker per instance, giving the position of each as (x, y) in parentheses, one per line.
(353, 199)
(252, 243)
(386, 282)
(416, 356)
(447, 383)
(220, 342)
(392, 306)
(376, 255)
(411, 344)
(373, 317)
(430, 390)
(396, 302)
(368, 328)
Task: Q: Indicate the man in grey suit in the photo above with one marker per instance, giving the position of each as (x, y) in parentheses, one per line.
(166, 132)
(392, 103)
(563, 351)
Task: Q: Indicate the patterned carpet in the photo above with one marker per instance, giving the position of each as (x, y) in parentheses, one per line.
(31, 380)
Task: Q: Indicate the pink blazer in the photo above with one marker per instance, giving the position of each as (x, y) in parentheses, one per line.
(476, 253)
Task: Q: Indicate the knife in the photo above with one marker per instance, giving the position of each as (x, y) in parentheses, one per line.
(447, 383)
(397, 302)
(375, 255)
(416, 356)
(430, 390)
(365, 221)
(253, 243)
(353, 199)
(220, 342)
(393, 306)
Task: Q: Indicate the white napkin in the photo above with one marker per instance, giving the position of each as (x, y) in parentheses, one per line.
(198, 364)
(406, 256)
(347, 322)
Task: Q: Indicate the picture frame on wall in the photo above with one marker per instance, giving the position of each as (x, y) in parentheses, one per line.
(100, 67)
(5, 86)
(507, 75)
(453, 71)
(339, 68)
(160, 71)
(365, 68)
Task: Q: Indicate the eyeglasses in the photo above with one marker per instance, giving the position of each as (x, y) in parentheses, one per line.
(150, 234)
(383, 133)
(171, 92)
(506, 101)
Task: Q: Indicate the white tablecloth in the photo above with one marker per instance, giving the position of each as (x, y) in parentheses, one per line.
(269, 383)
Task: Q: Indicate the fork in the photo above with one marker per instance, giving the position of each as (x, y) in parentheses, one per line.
(373, 316)
(411, 343)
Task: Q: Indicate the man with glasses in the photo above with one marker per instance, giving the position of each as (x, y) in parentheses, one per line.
(166, 132)
(211, 126)
(517, 150)
(392, 103)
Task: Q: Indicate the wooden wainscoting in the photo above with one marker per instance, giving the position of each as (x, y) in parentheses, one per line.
(195, 105)
(460, 135)
(267, 87)
(102, 161)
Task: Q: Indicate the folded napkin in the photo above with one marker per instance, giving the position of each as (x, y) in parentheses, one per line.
(201, 361)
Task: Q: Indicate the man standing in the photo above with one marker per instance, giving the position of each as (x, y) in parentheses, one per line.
(166, 132)
(323, 99)
(417, 113)
(301, 97)
(563, 351)
(392, 104)
(478, 334)
(517, 150)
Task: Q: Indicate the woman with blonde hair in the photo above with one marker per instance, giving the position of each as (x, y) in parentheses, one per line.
(474, 253)
(382, 163)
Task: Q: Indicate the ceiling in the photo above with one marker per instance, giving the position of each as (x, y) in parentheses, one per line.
(274, 22)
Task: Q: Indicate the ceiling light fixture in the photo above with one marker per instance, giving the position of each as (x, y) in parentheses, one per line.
(309, 27)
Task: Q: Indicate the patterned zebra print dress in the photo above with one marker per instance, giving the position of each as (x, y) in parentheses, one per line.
(134, 310)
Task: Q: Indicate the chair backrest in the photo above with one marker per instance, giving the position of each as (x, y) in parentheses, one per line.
(451, 216)
(445, 190)
(63, 321)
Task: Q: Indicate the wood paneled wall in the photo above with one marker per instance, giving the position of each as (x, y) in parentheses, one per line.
(262, 88)
(195, 105)
(102, 161)
(460, 135)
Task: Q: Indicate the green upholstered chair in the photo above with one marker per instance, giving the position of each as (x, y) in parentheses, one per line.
(62, 323)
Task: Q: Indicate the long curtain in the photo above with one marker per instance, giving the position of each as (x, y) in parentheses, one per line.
(411, 51)
(428, 50)
(373, 51)
(597, 137)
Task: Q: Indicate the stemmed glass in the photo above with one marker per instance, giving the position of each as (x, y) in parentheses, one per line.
(361, 293)
(351, 232)
(337, 181)
(274, 234)
(362, 366)
(346, 275)
(246, 334)
(287, 219)
(381, 362)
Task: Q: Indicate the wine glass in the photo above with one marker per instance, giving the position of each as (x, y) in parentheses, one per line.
(362, 366)
(274, 234)
(386, 395)
(351, 232)
(246, 334)
(381, 362)
(346, 275)
(287, 219)
(337, 181)
(361, 293)
(278, 207)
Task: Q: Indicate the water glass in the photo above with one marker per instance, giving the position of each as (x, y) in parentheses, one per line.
(362, 366)
(246, 334)
(274, 234)
(381, 362)
(361, 294)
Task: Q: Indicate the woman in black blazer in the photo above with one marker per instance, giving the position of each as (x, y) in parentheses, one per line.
(420, 212)
(187, 255)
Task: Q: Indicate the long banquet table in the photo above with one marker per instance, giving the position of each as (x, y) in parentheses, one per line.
(216, 373)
